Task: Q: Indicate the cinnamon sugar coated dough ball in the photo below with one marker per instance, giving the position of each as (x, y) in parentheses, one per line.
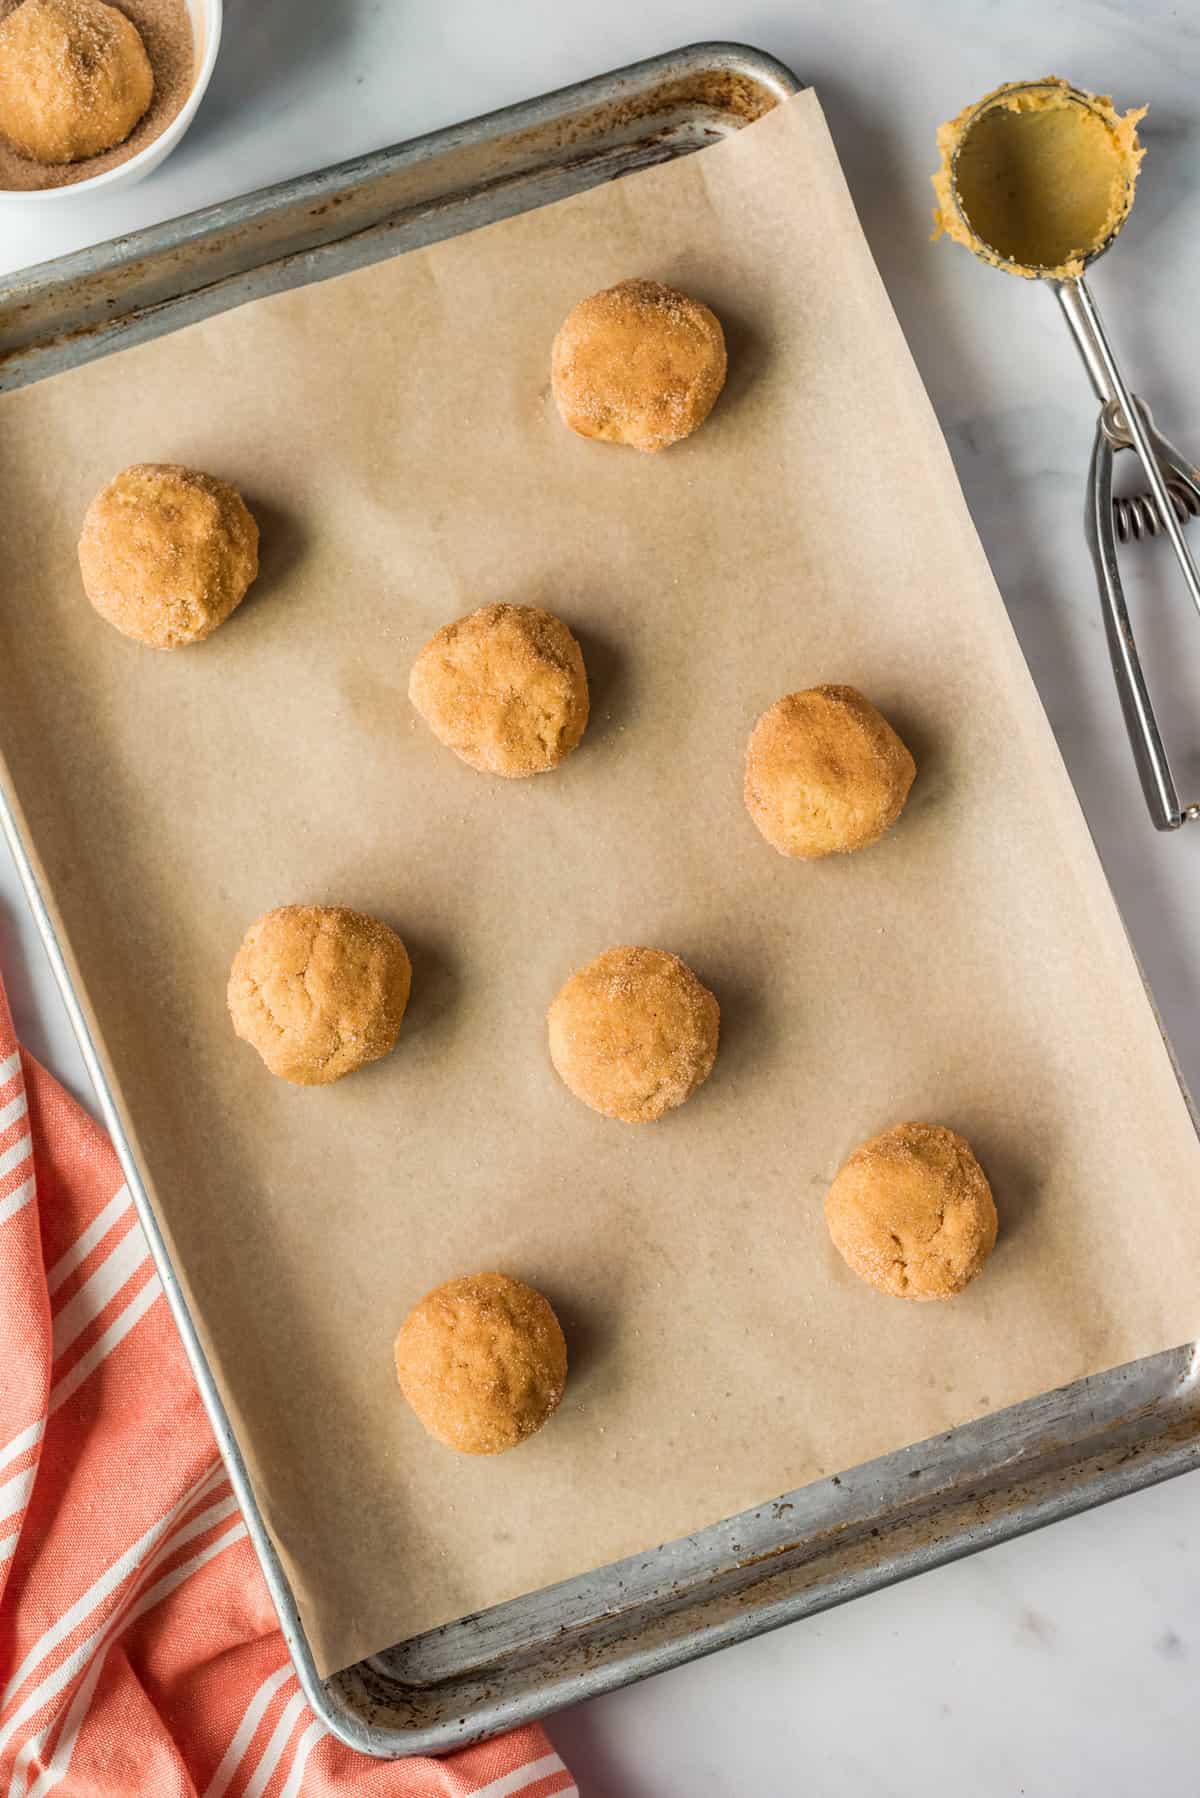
(482, 1362)
(167, 554)
(639, 364)
(634, 1033)
(504, 688)
(912, 1213)
(74, 79)
(319, 990)
(825, 773)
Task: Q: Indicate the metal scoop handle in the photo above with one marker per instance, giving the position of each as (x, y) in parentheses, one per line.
(1125, 423)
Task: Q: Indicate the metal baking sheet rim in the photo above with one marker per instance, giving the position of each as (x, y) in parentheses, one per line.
(977, 1485)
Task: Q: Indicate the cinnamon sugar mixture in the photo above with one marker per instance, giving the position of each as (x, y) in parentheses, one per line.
(166, 29)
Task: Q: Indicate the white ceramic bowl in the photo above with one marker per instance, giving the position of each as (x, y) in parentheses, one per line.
(206, 31)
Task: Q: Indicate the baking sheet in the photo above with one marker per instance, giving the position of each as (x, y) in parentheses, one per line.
(394, 432)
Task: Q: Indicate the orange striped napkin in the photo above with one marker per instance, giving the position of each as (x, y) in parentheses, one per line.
(139, 1653)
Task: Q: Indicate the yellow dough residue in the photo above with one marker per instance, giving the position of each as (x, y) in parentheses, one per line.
(1037, 177)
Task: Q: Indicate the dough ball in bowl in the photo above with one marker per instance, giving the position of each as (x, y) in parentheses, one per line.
(319, 990)
(74, 79)
(639, 364)
(504, 688)
(825, 773)
(482, 1362)
(166, 553)
(912, 1213)
(634, 1033)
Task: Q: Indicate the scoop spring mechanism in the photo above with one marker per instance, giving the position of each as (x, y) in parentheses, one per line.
(1136, 516)
(1125, 423)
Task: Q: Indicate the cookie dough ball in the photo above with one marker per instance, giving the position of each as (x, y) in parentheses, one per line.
(167, 554)
(912, 1213)
(482, 1362)
(318, 990)
(825, 773)
(504, 688)
(74, 79)
(638, 364)
(634, 1033)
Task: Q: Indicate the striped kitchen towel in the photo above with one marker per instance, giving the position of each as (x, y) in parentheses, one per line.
(139, 1653)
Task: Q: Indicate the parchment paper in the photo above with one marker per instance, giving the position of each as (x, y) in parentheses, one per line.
(394, 432)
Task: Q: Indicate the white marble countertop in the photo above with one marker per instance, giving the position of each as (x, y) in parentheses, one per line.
(1066, 1663)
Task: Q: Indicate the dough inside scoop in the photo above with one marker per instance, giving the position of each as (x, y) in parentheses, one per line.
(1037, 177)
